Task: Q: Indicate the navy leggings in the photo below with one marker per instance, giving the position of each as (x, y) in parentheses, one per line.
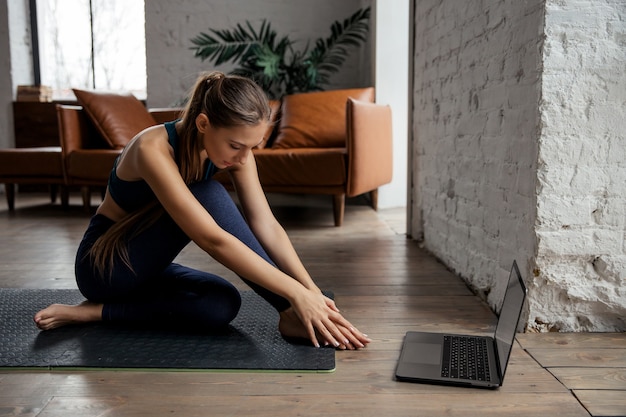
(160, 291)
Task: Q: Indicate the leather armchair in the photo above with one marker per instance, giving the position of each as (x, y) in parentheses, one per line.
(87, 159)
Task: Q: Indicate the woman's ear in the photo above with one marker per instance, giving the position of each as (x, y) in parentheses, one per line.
(202, 123)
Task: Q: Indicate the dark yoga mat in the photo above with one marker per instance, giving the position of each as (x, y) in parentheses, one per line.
(250, 343)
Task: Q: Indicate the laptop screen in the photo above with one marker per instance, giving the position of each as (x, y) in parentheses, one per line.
(509, 316)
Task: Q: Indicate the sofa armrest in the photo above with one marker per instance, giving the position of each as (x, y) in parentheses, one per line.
(162, 115)
(73, 128)
(369, 146)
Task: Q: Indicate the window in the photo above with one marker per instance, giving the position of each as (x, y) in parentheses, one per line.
(92, 44)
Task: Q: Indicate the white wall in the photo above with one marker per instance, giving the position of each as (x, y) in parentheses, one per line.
(580, 277)
(15, 62)
(392, 87)
(6, 112)
(21, 44)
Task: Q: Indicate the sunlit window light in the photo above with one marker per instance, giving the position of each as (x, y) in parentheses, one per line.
(113, 59)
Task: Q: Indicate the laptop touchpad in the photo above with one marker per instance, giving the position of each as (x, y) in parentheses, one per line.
(425, 353)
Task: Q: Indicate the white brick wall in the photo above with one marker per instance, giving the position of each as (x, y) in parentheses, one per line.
(581, 215)
(477, 89)
(520, 151)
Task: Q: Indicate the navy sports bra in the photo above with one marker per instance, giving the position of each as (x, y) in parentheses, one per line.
(132, 195)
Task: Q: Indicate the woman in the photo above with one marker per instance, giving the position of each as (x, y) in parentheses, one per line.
(161, 196)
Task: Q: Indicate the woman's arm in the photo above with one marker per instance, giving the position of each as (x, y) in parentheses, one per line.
(264, 225)
(278, 245)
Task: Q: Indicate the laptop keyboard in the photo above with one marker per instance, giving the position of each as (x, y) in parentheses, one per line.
(465, 357)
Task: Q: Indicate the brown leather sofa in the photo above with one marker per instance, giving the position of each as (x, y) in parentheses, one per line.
(334, 143)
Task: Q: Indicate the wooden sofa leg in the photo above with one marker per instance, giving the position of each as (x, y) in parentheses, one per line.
(9, 190)
(86, 193)
(374, 198)
(53, 193)
(65, 196)
(339, 205)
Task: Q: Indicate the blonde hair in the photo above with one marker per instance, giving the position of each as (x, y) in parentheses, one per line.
(228, 101)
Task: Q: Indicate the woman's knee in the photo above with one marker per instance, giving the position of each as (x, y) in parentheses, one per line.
(210, 192)
(221, 311)
(220, 205)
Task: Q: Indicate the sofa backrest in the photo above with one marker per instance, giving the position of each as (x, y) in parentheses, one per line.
(117, 116)
(76, 131)
(316, 119)
(165, 114)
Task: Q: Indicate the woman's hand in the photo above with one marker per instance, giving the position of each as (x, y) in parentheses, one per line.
(323, 322)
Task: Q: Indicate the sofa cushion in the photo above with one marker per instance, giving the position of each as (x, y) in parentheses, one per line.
(118, 117)
(317, 120)
(31, 162)
(91, 164)
(301, 167)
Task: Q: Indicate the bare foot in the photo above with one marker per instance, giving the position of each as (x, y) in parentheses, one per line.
(57, 315)
(290, 326)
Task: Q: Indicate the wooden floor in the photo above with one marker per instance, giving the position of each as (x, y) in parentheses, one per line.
(384, 283)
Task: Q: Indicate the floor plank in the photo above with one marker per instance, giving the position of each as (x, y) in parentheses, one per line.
(592, 378)
(588, 357)
(573, 340)
(603, 403)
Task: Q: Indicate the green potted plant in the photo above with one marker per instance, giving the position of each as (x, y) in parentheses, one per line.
(273, 62)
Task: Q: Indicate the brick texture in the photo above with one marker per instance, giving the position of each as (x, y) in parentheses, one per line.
(519, 152)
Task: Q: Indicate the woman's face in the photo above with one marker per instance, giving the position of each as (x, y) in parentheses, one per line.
(230, 146)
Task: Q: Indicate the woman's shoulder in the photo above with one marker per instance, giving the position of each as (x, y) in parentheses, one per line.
(150, 141)
(152, 138)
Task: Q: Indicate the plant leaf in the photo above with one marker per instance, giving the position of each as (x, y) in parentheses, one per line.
(330, 53)
(273, 62)
(229, 45)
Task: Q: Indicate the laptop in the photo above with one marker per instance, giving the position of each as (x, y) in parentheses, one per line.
(432, 357)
